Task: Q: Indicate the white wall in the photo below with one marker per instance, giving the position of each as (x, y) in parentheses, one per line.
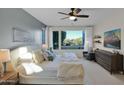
(12, 17)
(114, 22)
(77, 51)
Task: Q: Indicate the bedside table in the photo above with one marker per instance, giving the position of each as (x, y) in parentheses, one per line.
(50, 58)
(9, 78)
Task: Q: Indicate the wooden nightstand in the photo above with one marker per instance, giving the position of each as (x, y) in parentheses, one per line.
(9, 78)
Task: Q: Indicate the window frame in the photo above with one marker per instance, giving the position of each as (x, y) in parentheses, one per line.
(83, 39)
(59, 31)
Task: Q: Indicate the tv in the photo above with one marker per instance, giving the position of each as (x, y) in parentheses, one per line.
(112, 39)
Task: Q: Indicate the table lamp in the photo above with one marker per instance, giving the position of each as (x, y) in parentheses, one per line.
(4, 58)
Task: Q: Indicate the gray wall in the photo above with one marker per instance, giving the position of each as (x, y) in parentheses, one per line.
(12, 17)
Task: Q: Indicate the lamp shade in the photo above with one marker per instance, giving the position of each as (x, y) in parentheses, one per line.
(4, 55)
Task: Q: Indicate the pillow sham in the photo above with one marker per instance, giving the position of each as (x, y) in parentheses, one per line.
(20, 61)
(35, 68)
(29, 68)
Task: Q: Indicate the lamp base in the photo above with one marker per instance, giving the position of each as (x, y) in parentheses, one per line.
(4, 66)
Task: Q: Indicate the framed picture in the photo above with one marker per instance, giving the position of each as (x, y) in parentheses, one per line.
(20, 35)
(112, 39)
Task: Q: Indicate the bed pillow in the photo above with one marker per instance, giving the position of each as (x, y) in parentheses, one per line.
(20, 61)
(35, 68)
(27, 68)
(38, 56)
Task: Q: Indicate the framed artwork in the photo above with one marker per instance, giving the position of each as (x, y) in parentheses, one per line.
(112, 39)
(20, 35)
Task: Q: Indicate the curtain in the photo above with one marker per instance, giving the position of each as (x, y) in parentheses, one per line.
(88, 38)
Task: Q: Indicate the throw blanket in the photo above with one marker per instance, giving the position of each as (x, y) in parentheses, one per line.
(70, 70)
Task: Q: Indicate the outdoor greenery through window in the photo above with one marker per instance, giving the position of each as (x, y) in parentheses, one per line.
(72, 39)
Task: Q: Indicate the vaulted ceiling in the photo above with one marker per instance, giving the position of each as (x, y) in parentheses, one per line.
(50, 16)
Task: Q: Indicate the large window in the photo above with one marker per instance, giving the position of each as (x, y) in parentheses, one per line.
(55, 40)
(72, 40)
(69, 39)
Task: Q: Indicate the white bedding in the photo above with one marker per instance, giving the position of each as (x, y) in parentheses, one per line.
(67, 57)
(49, 74)
(47, 77)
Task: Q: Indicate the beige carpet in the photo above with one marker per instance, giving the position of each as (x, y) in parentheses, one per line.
(97, 75)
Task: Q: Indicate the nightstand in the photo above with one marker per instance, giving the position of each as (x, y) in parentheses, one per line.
(89, 56)
(50, 58)
(9, 78)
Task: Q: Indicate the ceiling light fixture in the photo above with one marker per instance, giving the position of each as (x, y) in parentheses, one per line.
(72, 17)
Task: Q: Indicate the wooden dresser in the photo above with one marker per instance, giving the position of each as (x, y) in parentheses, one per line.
(110, 61)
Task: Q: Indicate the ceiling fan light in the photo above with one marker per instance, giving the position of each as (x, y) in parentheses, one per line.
(72, 17)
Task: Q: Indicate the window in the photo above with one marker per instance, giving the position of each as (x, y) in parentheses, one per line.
(72, 39)
(43, 37)
(55, 40)
(68, 39)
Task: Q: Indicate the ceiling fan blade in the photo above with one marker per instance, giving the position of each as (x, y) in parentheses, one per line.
(77, 10)
(64, 18)
(63, 13)
(83, 16)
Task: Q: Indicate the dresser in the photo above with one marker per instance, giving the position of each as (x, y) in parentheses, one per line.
(110, 61)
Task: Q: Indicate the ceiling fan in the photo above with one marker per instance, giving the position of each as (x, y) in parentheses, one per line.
(73, 15)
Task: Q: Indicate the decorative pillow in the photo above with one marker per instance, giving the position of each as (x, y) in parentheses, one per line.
(38, 57)
(48, 55)
(45, 55)
(51, 53)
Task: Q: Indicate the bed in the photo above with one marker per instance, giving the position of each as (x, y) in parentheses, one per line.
(50, 70)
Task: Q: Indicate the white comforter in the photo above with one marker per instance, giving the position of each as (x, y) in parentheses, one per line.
(49, 74)
(67, 57)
